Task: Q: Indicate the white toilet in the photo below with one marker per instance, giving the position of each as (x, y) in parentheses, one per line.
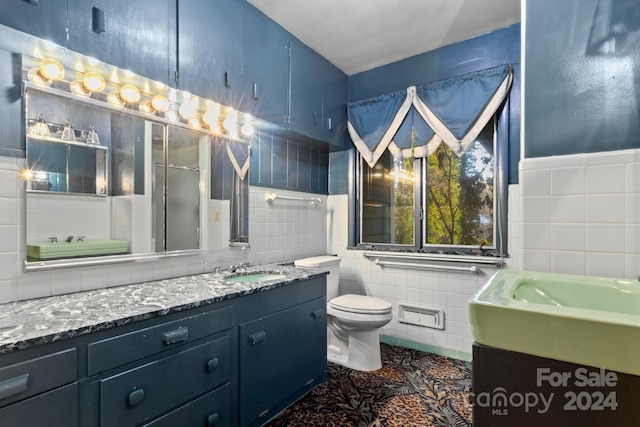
(353, 320)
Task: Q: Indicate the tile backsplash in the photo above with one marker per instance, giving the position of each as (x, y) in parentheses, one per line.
(279, 231)
(581, 214)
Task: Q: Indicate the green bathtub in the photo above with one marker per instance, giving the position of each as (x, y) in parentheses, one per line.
(86, 248)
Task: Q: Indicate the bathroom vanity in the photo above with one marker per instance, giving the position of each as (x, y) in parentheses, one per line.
(197, 350)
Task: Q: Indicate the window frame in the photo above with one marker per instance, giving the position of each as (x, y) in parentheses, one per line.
(500, 209)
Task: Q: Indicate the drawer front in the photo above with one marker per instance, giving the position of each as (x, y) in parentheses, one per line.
(34, 376)
(211, 410)
(122, 349)
(57, 408)
(139, 395)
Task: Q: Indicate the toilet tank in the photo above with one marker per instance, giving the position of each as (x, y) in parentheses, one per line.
(324, 263)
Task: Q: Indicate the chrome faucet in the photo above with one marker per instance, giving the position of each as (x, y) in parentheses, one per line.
(235, 267)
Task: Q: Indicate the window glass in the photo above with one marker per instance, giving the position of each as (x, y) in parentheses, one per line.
(459, 194)
(446, 199)
(388, 201)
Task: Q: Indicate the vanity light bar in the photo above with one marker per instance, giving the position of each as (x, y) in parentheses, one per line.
(220, 120)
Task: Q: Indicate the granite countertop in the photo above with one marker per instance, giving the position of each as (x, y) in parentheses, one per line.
(29, 323)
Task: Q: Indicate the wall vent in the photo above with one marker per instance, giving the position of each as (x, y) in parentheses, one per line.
(427, 317)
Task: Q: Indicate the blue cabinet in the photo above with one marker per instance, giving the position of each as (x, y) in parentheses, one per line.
(210, 49)
(282, 337)
(44, 19)
(318, 96)
(265, 57)
(138, 36)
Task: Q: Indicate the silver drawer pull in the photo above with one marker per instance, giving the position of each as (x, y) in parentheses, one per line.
(135, 397)
(177, 335)
(13, 386)
(257, 337)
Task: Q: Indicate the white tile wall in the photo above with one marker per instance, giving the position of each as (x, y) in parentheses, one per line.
(594, 214)
(280, 231)
(447, 290)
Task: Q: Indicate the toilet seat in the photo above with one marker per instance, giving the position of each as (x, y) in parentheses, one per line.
(360, 304)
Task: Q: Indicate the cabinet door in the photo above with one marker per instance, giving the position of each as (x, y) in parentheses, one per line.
(280, 355)
(265, 68)
(210, 49)
(43, 19)
(306, 91)
(334, 106)
(137, 35)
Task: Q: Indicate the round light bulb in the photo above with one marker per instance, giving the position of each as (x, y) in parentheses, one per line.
(195, 122)
(172, 115)
(113, 98)
(94, 82)
(129, 93)
(34, 76)
(210, 117)
(160, 103)
(247, 129)
(146, 107)
(51, 69)
(187, 109)
(77, 88)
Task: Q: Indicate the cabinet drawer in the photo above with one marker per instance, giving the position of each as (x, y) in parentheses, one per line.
(212, 409)
(34, 376)
(57, 408)
(141, 394)
(122, 349)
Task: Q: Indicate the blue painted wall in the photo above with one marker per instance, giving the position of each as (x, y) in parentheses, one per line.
(582, 87)
(498, 47)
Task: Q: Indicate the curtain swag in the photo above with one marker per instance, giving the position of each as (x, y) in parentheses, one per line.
(238, 153)
(414, 122)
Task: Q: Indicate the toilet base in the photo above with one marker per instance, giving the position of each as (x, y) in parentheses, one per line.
(360, 352)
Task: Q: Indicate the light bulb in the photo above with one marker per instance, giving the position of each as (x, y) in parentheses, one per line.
(93, 82)
(77, 87)
(247, 129)
(210, 117)
(195, 122)
(172, 115)
(51, 69)
(187, 109)
(160, 103)
(146, 107)
(36, 77)
(129, 93)
(113, 97)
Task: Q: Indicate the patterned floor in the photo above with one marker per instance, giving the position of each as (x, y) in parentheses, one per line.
(413, 389)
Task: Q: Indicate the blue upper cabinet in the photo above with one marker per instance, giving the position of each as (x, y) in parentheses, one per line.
(306, 91)
(44, 19)
(334, 107)
(130, 34)
(210, 49)
(265, 57)
(318, 96)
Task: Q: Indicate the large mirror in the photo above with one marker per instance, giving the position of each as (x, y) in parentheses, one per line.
(103, 181)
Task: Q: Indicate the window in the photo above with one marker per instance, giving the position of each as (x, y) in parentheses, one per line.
(438, 203)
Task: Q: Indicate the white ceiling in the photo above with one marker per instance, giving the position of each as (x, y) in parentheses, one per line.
(358, 35)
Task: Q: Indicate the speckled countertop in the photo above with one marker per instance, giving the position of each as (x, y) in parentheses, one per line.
(25, 324)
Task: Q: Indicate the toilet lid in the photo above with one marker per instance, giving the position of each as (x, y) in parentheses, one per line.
(360, 304)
